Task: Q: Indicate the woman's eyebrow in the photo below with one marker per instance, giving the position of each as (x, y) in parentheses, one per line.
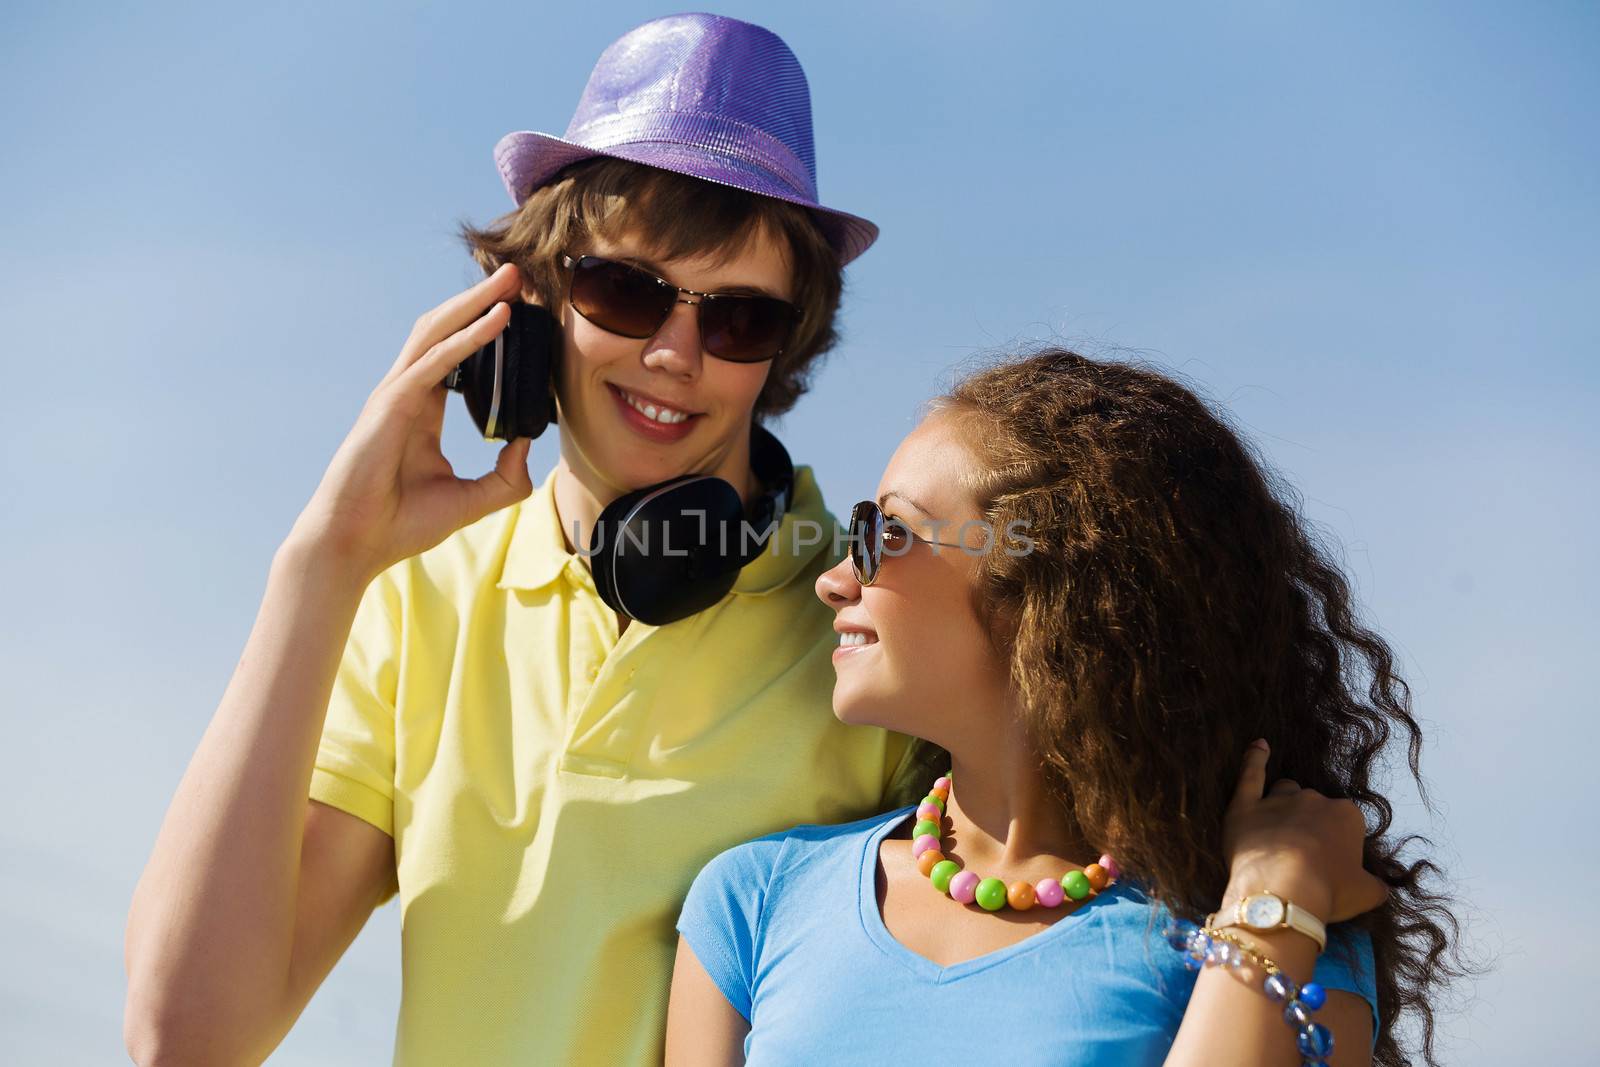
(883, 499)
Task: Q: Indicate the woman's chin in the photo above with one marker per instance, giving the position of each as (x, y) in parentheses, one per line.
(853, 711)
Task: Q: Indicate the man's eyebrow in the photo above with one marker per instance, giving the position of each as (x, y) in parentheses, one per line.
(636, 261)
(730, 290)
(882, 500)
(750, 290)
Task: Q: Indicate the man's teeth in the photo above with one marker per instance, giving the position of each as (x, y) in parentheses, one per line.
(855, 637)
(650, 411)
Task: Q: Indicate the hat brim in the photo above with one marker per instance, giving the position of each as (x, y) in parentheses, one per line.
(527, 160)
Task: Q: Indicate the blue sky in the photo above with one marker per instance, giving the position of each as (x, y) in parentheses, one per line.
(1369, 230)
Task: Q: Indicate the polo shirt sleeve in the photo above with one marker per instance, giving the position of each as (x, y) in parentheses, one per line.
(721, 917)
(354, 768)
(1347, 964)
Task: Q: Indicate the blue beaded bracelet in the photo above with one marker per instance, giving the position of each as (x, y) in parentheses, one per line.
(1203, 946)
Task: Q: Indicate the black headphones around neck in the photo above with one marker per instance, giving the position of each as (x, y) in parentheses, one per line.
(658, 554)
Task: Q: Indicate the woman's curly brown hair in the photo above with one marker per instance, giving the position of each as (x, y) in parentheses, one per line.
(1174, 607)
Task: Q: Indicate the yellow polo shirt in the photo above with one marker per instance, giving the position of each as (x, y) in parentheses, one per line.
(552, 789)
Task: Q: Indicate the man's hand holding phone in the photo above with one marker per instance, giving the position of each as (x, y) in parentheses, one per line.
(389, 492)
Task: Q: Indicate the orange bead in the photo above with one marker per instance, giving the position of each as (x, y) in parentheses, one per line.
(1020, 895)
(942, 794)
(926, 861)
(1098, 878)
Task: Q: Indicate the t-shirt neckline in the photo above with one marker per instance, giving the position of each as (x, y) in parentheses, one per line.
(877, 932)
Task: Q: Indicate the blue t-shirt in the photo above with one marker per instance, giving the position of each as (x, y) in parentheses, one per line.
(788, 927)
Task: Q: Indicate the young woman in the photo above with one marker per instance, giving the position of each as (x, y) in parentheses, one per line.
(535, 773)
(1080, 584)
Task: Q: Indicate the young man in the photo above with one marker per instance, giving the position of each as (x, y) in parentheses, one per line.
(536, 776)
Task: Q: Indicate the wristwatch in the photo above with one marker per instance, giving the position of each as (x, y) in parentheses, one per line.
(1268, 911)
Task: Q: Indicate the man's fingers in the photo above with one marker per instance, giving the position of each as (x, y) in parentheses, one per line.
(1253, 775)
(434, 365)
(435, 325)
(508, 483)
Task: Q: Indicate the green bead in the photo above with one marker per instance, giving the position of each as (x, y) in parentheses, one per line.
(926, 826)
(931, 799)
(1076, 884)
(941, 874)
(991, 894)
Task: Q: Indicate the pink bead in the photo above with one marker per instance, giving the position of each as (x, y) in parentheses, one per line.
(941, 783)
(1112, 870)
(1049, 893)
(923, 844)
(930, 811)
(964, 887)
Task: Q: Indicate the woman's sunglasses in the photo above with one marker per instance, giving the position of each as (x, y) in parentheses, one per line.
(626, 300)
(871, 533)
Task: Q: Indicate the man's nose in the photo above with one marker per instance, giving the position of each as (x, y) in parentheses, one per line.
(675, 347)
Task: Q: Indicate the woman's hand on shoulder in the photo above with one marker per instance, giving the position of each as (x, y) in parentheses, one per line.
(389, 492)
(1300, 844)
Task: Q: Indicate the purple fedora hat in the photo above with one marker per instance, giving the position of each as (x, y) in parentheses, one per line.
(702, 95)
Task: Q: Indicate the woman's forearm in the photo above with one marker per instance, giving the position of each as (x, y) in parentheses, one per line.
(1230, 1020)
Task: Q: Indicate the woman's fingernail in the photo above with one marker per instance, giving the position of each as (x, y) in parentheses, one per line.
(1261, 743)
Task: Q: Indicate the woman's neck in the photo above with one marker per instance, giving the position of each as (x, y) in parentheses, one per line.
(1004, 819)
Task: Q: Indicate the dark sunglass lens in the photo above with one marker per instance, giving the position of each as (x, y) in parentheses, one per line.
(866, 529)
(896, 538)
(619, 298)
(745, 329)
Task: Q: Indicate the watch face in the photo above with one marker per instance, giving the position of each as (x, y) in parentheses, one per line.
(1263, 911)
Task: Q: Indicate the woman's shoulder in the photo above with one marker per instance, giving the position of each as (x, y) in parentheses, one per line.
(798, 848)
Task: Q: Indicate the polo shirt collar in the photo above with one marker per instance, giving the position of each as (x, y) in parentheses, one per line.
(806, 529)
(538, 553)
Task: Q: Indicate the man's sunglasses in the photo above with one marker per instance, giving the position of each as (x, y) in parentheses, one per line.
(871, 533)
(626, 300)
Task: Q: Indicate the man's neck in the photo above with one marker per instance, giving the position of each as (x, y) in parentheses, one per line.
(581, 494)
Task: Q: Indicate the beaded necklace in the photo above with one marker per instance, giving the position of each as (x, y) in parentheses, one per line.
(992, 894)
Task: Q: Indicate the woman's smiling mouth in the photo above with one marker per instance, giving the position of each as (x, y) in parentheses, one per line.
(852, 641)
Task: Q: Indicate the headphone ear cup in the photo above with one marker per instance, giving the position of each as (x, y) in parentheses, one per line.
(511, 403)
(662, 553)
(506, 383)
(532, 335)
(474, 379)
(603, 540)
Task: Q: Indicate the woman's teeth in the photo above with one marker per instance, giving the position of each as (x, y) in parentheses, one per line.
(855, 637)
(651, 411)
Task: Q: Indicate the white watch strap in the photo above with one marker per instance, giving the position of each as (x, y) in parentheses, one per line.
(1294, 918)
(1297, 918)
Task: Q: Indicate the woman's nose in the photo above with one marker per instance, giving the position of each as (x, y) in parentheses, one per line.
(837, 586)
(675, 347)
